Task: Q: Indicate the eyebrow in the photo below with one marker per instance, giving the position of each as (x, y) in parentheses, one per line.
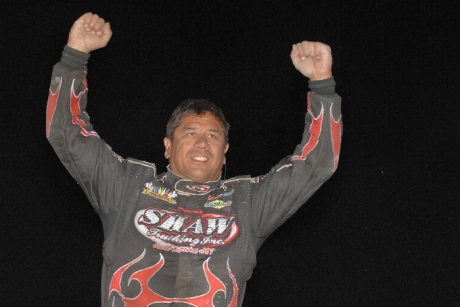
(215, 130)
(209, 130)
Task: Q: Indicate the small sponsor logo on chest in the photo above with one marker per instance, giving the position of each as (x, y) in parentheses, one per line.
(160, 193)
(198, 188)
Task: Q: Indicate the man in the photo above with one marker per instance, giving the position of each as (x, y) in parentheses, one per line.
(185, 237)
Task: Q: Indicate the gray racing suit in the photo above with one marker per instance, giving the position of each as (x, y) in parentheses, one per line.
(169, 241)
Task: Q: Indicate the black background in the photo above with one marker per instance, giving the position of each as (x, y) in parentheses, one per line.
(383, 231)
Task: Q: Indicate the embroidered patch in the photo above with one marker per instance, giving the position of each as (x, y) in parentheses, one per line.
(211, 198)
(198, 188)
(160, 193)
(186, 231)
(219, 204)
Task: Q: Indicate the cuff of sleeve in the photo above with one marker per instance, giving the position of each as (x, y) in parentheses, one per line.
(74, 58)
(322, 87)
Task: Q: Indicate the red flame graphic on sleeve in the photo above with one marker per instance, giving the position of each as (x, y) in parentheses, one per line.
(336, 132)
(76, 111)
(148, 297)
(51, 107)
(315, 132)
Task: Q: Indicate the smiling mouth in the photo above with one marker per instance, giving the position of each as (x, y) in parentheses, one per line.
(201, 159)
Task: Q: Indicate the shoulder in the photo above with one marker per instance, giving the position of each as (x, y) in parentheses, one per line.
(237, 181)
(141, 166)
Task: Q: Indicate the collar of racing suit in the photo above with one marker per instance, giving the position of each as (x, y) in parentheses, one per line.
(185, 186)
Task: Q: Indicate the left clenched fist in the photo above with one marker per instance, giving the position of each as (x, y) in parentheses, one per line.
(312, 59)
(89, 32)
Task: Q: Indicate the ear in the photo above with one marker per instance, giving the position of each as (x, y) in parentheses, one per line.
(227, 146)
(167, 143)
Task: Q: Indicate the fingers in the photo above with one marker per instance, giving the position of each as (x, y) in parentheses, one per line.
(309, 49)
(306, 49)
(294, 52)
(107, 30)
(95, 24)
(300, 50)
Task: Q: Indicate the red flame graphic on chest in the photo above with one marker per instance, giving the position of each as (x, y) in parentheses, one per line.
(148, 297)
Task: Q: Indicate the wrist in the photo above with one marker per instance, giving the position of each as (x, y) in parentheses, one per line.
(78, 46)
(319, 77)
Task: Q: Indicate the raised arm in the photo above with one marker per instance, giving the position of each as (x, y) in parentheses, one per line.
(295, 178)
(88, 158)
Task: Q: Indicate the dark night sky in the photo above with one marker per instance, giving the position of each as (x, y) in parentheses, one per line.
(383, 231)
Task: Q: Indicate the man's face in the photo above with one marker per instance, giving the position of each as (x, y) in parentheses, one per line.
(198, 147)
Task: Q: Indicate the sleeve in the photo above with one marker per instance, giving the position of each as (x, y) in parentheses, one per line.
(288, 185)
(89, 160)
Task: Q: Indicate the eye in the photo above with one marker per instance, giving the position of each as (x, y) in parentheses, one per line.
(212, 136)
(191, 134)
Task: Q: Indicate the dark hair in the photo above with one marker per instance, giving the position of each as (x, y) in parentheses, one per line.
(197, 107)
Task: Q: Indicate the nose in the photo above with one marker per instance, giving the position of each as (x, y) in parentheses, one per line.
(201, 142)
